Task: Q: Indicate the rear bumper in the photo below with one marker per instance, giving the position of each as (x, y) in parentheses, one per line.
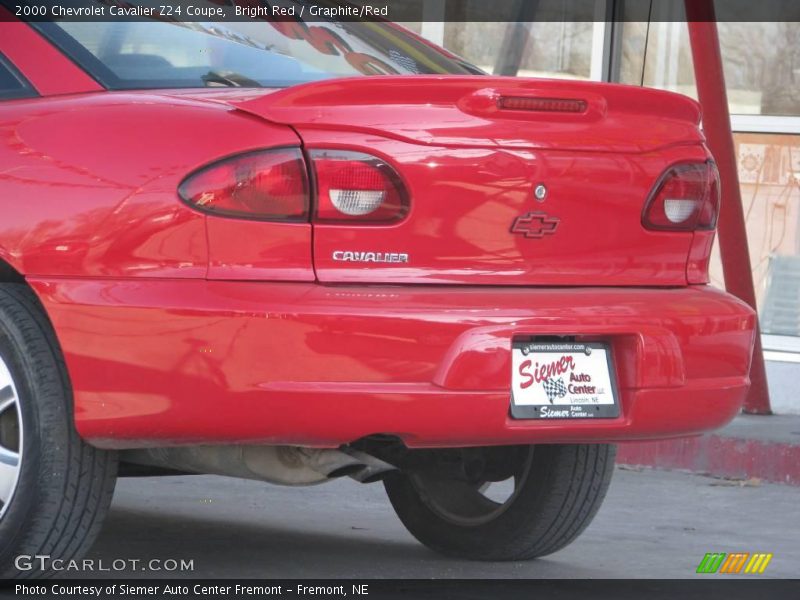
(163, 362)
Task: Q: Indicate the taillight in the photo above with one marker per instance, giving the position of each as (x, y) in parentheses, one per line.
(685, 198)
(268, 185)
(273, 185)
(355, 187)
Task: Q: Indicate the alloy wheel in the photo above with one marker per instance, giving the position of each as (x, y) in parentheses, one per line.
(10, 438)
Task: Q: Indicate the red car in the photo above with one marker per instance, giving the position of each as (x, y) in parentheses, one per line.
(223, 249)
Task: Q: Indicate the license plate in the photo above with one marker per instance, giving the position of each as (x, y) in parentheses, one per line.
(554, 380)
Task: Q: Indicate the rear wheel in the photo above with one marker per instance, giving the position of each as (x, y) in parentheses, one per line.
(508, 503)
(54, 488)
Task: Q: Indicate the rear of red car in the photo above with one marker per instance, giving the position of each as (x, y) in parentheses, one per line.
(488, 254)
(446, 279)
(461, 259)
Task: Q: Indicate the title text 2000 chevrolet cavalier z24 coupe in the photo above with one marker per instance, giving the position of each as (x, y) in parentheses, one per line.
(224, 249)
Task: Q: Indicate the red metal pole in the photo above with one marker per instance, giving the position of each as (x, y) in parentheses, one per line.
(717, 128)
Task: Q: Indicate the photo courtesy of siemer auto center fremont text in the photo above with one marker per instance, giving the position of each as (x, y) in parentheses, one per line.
(400, 299)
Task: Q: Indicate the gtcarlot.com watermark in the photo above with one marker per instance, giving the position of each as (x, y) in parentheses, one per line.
(45, 562)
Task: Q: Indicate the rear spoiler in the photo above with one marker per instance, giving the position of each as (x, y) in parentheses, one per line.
(481, 111)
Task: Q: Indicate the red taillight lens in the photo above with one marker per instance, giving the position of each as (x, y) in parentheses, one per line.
(356, 187)
(565, 105)
(686, 198)
(269, 184)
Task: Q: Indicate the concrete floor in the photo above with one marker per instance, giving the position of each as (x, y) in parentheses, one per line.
(653, 524)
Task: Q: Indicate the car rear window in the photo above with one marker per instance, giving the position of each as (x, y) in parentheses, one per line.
(12, 84)
(258, 52)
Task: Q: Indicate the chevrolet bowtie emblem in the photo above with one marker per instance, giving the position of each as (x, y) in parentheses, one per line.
(535, 225)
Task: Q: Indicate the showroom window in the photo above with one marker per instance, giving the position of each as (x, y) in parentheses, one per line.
(761, 62)
(541, 41)
(550, 49)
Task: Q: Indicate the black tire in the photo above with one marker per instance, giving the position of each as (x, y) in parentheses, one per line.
(559, 491)
(64, 486)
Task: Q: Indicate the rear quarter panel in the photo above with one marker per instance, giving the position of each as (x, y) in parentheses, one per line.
(88, 184)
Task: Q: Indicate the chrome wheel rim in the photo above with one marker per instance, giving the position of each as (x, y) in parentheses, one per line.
(473, 503)
(10, 438)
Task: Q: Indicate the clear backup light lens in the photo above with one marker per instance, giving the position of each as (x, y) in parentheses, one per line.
(356, 203)
(356, 187)
(263, 185)
(685, 198)
(678, 210)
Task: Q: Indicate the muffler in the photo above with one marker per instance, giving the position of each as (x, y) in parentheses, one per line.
(283, 465)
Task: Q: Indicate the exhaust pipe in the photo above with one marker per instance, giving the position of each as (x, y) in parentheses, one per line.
(331, 463)
(283, 465)
(372, 470)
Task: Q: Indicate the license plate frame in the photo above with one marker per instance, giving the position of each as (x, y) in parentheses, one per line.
(581, 366)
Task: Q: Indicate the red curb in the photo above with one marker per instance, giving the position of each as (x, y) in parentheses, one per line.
(720, 456)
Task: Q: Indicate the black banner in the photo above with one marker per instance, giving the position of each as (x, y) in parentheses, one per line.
(400, 10)
(619, 589)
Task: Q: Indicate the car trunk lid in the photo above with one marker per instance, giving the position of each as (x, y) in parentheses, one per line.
(472, 154)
